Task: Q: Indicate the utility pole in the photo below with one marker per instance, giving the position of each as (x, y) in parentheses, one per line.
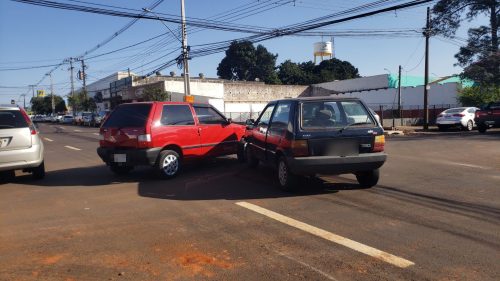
(427, 34)
(84, 79)
(399, 96)
(52, 94)
(33, 90)
(185, 54)
(71, 77)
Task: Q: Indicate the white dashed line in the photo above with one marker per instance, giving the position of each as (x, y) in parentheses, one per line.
(70, 147)
(466, 165)
(47, 139)
(77, 130)
(96, 134)
(367, 250)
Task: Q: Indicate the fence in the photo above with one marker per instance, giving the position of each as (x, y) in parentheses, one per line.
(241, 117)
(412, 115)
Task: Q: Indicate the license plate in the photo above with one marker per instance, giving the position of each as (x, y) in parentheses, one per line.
(4, 142)
(120, 158)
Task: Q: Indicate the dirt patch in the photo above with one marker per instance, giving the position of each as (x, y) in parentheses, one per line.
(52, 259)
(198, 263)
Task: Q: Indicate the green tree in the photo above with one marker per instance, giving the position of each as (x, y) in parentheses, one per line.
(244, 62)
(307, 73)
(335, 69)
(481, 52)
(478, 95)
(238, 62)
(80, 101)
(291, 73)
(152, 93)
(43, 105)
(265, 66)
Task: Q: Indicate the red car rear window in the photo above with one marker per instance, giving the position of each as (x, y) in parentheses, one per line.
(128, 116)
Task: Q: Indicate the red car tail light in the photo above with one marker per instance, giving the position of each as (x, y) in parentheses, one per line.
(144, 140)
(379, 143)
(459, 115)
(300, 148)
(30, 124)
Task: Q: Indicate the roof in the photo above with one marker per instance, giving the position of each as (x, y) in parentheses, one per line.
(386, 81)
(9, 106)
(320, 98)
(415, 81)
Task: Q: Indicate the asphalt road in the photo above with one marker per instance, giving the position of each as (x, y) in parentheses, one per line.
(435, 215)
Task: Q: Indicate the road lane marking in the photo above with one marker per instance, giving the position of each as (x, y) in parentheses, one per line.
(47, 139)
(96, 134)
(77, 130)
(466, 165)
(70, 147)
(324, 274)
(367, 250)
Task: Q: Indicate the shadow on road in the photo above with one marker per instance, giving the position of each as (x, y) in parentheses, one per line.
(222, 178)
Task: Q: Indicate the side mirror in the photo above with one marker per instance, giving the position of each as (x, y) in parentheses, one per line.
(249, 122)
(229, 120)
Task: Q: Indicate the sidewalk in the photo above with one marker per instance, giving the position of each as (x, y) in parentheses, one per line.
(408, 130)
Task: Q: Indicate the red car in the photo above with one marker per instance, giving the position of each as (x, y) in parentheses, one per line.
(165, 135)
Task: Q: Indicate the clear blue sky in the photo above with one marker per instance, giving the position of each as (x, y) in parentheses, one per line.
(35, 36)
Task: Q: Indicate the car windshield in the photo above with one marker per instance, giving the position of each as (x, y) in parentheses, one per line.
(454, 110)
(12, 119)
(334, 114)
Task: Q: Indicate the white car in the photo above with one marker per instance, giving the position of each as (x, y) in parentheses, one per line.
(462, 117)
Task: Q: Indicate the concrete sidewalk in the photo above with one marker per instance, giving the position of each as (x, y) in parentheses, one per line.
(408, 130)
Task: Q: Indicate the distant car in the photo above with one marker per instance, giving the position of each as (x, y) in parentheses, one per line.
(21, 147)
(488, 117)
(67, 119)
(461, 117)
(38, 118)
(55, 118)
(78, 119)
(100, 117)
(316, 136)
(88, 120)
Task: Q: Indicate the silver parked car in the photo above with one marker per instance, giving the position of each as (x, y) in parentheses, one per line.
(461, 117)
(67, 119)
(21, 147)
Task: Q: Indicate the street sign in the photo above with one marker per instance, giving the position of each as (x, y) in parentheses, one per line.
(40, 93)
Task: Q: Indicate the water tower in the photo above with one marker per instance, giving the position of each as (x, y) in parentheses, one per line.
(323, 49)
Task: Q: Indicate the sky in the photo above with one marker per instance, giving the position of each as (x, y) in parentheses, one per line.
(34, 36)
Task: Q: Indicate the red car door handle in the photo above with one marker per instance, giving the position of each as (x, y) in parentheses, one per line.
(199, 131)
